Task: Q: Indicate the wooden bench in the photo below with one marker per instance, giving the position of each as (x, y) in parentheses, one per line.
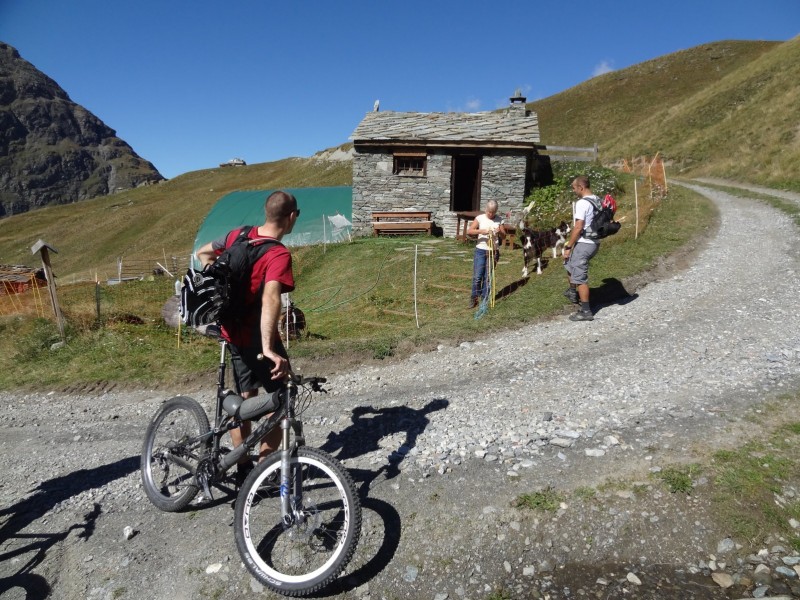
(401, 222)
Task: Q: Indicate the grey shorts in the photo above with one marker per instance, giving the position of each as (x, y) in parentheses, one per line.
(249, 373)
(578, 264)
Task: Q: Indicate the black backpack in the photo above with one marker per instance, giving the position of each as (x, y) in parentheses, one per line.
(603, 223)
(217, 292)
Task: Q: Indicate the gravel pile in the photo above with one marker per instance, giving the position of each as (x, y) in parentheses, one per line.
(441, 445)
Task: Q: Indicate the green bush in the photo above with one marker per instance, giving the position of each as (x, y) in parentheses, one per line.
(553, 203)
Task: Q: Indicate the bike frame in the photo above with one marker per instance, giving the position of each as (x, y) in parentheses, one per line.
(291, 439)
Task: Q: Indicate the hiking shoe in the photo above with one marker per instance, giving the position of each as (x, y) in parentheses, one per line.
(582, 315)
(571, 294)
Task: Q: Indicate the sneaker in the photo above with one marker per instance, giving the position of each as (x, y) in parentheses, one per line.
(582, 315)
(571, 294)
(473, 302)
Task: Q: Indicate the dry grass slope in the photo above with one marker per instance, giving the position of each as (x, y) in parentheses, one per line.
(728, 109)
(149, 221)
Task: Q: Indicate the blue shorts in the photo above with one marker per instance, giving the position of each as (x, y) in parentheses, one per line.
(578, 264)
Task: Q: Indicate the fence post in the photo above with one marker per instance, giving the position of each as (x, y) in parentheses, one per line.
(42, 247)
(97, 298)
(636, 197)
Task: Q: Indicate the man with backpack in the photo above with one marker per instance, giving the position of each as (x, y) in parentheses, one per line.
(258, 355)
(579, 250)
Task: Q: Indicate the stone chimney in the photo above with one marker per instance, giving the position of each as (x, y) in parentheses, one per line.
(517, 106)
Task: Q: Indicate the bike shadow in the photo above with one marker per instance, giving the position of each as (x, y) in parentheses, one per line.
(370, 425)
(381, 523)
(44, 498)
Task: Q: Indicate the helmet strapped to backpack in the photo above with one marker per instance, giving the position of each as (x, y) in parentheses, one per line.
(215, 293)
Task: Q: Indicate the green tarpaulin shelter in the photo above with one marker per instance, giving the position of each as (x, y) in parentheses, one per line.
(326, 215)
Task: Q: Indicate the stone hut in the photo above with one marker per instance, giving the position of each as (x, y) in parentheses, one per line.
(445, 163)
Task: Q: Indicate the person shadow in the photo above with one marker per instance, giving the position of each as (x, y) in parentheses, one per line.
(382, 524)
(371, 425)
(511, 288)
(17, 517)
(611, 291)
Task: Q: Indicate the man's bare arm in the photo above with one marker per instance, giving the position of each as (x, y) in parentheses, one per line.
(206, 254)
(270, 316)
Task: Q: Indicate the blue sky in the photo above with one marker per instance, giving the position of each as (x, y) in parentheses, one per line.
(190, 84)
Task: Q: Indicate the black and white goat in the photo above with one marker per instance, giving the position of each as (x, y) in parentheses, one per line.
(534, 244)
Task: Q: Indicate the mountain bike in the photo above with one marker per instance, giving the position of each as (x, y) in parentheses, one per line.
(298, 515)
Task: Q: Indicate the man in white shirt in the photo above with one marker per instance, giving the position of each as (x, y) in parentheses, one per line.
(578, 251)
(490, 232)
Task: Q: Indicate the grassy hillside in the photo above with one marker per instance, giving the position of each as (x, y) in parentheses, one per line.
(745, 126)
(729, 109)
(148, 221)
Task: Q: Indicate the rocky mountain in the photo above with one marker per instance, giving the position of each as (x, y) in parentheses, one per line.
(53, 151)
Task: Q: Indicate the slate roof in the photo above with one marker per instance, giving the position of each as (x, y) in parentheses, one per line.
(18, 273)
(507, 127)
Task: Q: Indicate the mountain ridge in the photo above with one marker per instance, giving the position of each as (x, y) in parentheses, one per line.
(52, 150)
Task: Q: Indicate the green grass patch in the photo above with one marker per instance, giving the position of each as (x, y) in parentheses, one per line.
(750, 484)
(585, 493)
(678, 479)
(547, 500)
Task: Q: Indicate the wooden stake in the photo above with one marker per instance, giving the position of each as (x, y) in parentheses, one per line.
(44, 250)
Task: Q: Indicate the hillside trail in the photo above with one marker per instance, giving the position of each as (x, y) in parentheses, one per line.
(443, 443)
(783, 194)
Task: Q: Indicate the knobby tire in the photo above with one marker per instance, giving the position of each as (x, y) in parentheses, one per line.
(302, 558)
(171, 486)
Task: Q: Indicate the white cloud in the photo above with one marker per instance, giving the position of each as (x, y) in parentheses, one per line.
(473, 104)
(604, 67)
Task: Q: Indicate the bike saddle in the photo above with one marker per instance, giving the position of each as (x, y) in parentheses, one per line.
(252, 408)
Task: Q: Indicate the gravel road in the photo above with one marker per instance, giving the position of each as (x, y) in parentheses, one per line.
(442, 443)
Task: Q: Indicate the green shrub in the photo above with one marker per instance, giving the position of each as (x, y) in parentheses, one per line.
(553, 203)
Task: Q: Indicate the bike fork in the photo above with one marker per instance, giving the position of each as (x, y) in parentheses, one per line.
(287, 511)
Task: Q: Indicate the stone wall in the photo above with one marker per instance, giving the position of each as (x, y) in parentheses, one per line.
(375, 188)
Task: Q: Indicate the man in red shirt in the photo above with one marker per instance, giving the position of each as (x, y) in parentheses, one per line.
(255, 330)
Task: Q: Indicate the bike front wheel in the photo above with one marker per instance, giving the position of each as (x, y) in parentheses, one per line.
(300, 553)
(171, 450)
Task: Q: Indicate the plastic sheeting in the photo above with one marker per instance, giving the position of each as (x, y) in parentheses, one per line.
(326, 215)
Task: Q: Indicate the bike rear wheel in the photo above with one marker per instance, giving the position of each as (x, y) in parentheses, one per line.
(304, 556)
(171, 452)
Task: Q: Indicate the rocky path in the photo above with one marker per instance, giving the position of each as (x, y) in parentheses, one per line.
(441, 445)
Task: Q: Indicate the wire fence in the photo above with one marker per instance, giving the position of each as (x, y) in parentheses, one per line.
(134, 290)
(135, 268)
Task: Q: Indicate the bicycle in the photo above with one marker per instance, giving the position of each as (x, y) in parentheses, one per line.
(298, 516)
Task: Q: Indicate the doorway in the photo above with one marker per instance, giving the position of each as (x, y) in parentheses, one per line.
(465, 183)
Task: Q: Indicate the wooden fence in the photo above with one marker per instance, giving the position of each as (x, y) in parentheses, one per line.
(569, 153)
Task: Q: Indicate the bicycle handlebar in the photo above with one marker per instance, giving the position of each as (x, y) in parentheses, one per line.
(298, 379)
(314, 382)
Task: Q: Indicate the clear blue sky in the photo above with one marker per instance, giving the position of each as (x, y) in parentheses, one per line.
(192, 83)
